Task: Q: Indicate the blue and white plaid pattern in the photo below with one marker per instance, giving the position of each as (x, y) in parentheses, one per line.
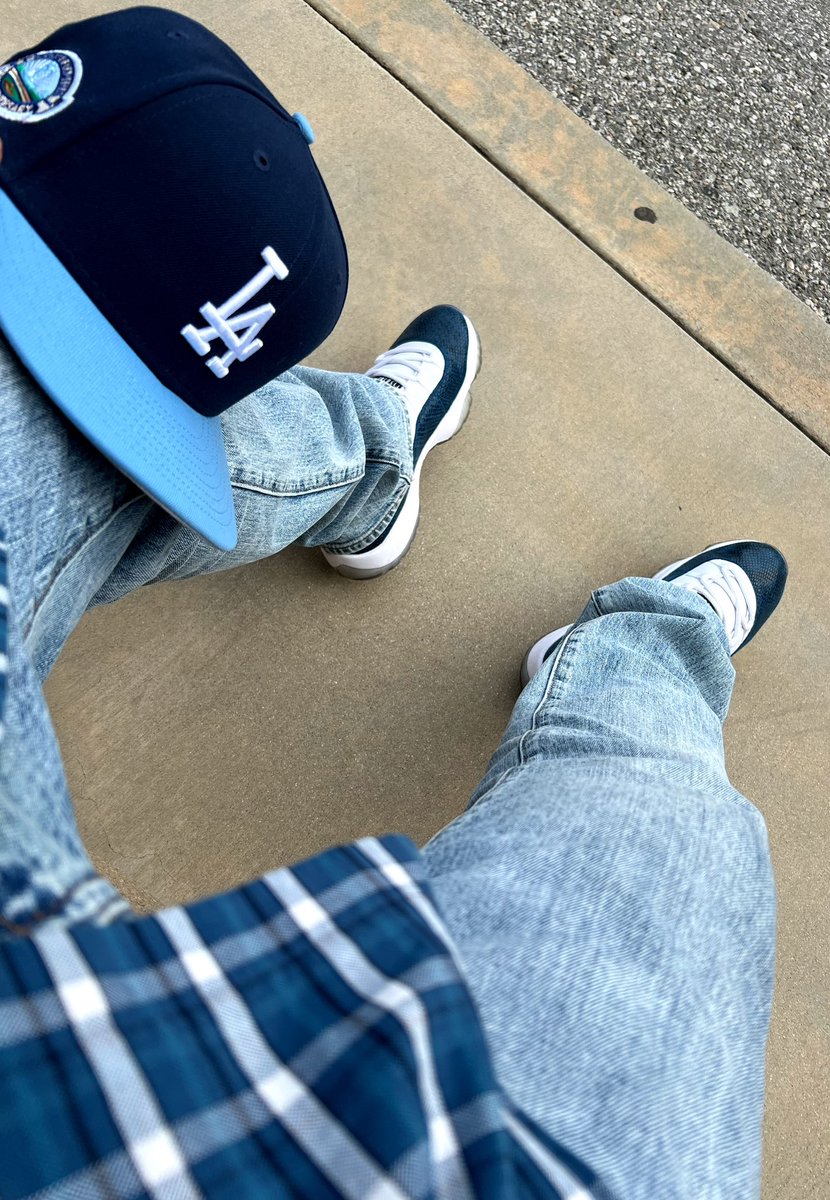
(308, 1035)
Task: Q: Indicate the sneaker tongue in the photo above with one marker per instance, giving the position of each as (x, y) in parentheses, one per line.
(395, 383)
(728, 590)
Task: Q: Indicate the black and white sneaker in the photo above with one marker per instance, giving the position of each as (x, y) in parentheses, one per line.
(432, 364)
(743, 581)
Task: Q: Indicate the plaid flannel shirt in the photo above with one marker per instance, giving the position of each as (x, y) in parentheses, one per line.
(309, 1034)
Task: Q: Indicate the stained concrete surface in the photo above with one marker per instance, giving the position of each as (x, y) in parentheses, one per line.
(726, 104)
(737, 311)
(218, 728)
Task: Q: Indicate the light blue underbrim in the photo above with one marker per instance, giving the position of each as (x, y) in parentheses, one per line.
(176, 455)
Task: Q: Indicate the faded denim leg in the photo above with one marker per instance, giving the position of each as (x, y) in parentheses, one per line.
(315, 458)
(612, 899)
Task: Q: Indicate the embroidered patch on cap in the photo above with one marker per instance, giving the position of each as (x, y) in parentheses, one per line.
(39, 85)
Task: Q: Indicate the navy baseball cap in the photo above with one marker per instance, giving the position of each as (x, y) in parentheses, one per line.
(167, 244)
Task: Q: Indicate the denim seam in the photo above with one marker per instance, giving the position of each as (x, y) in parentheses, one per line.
(358, 544)
(289, 490)
(523, 760)
(408, 424)
(598, 609)
(300, 491)
(546, 695)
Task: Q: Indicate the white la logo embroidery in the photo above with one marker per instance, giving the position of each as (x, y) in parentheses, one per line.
(222, 323)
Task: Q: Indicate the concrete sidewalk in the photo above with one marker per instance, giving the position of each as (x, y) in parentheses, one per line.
(215, 729)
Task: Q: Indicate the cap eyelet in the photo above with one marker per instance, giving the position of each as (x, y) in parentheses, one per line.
(262, 160)
(177, 34)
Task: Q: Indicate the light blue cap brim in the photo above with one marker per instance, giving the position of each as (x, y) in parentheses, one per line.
(174, 453)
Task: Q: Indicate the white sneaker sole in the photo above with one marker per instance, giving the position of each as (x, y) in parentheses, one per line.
(369, 564)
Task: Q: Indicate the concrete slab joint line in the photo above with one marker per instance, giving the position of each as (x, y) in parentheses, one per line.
(738, 312)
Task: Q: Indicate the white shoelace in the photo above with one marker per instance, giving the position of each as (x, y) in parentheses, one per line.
(728, 589)
(401, 363)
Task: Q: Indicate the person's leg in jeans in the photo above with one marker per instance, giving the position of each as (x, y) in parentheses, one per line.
(612, 899)
(316, 458)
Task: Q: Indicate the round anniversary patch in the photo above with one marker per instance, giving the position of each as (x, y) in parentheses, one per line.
(39, 85)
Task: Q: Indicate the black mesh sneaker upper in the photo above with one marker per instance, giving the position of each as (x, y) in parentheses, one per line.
(444, 327)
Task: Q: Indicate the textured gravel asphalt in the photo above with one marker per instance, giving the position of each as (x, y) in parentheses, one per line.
(727, 105)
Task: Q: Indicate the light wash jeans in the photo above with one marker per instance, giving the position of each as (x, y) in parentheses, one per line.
(610, 893)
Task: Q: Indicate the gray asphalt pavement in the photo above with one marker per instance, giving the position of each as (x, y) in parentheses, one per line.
(725, 104)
